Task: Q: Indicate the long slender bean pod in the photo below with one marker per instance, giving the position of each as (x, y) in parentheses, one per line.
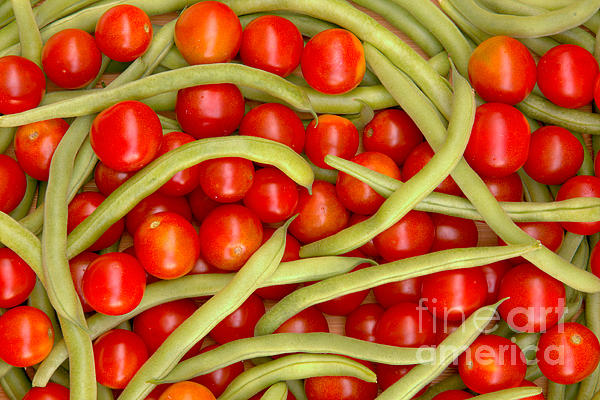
(39, 299)
(14, 236)
(440, 63)
(452, 382)
(4, 368)
(511, 394)
(537, 191)
(308, 26)
(555, 391)
(6, 138)
(295, 366)
(15, 383)
(587, 167)
(278, 391)
(29, 34)
(571, 391)
(23, 208)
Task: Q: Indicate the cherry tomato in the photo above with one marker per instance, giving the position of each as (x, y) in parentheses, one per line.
(26, 335)
(82, 205)
(362, 322)
(344, 305)
(452, 395)
(333, 61)
(35, 144)
(240, 323)
(22, 84)
(405, 325)
(393, 133)
(123, 32)
(333, 135)
(502, 70)
(320, 214)
(272, 43)
(226, 179)
(218, 380)
(368, 249)
(153, 204)
(408, 290)
(387, 375)
(183, 182)
(187, 390)
(550, 234)
(453, 232)
(118, 354)
(506, 188)
(208, 32)
(153, 395)
(52, 391)
(357, 196)
(108, 180)
(71, 59)
(499, 141)
(492, 363)
(273, 195)
(229, 235)
(276, 122)
(210, 110)
(340, 387)
(409, 237)
(566, 75)
(555, 155)
(114, 283)
(568, 352)
(308, 320)
(78, 265)
(417, 159)
(17, 279)
(12, 184)
(580, 186)
(494, 272)
(454, 295)
(200, 204)
(126, 136)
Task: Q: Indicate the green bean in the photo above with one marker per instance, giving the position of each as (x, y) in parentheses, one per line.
(592, 308)
(527, 342)
(536, 191)
(61, 376)
(296, 387)
(169, 123)
(587, 167)
(367, 278)
(580, 259)
(15, 383)
(304, 270)
(533, 373)
(450, 348)
(151, 177)
(29, 34)
(295, 366)
(570, 244)
(546, 24)
(25, 205)
(452, 382)
(308, 26)
(419, 108)
(556, 391)
(105, 62)
(511, 394)
(104, 393)
(6, 138)
(592, 24)
(282, 343)
(571, 391)
(4, 368)
(111, 249)
(260, 266)
(440, 63)
(39, 299)
(21, 241)
(277, 391)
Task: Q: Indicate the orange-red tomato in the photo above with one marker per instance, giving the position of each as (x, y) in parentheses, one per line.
(187, 390)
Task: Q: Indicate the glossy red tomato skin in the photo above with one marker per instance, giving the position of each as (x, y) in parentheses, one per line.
(217, 381)
(453, 232)
(361, 323)
(126, 136)
(71, 59)
(167, 245)
(123, 33)
(499, 141)
(492, 363)
(229, 235)
(320, 214)
(308, 320)
(333, 135)
(452, 395)
(276, 122)
(153, 204)
(333, 61)
(12, 184)
(208, 32)
(340, 387)
(409, 237)
(226, 179)
(417, 159)
(200, 204)
(502, 70)
(494, 272)
(107, 180)
(536, 300)
(408, 290)
(52, 391)
(357, 196)
(17, 279)
(368, 249)
(186, 390)
(580, 186)
(568, 352)
(454, 295)
(240, 323)
(183, 182)
(82, 205)
(273, 196)
(118, 354)
(550, 234)
(387, 375)
(22, 85)
(506, 188)
(566, 75)
(273, 44)
(27, 336)
(405, 325)
(555, 155)
(114, 283)
(393, 133)
(344, 305)
(78, 265)
(35, 144)
(210, 110)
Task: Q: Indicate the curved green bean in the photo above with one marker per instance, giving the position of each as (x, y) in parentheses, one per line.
(278, 391)
(452, 382)
(39, 299)
(536, 191)
(29, 34)
(6, 138)
(295, 366)
(511, 394)
(308, 26)
(4, 368)
(14, 236)
(15, 383)
(23, 208)
(440, 63)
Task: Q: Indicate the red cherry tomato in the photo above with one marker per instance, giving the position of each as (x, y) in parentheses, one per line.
(273, 195)
(555, 155)
(276, 122)
(550, 234)
(405, 325)
(333, 135)
(22, 84)
(12, 184)
(506, 188)
(387, 375)
(409, 237)
(417, 159)
(209, 110)
(108, 180)
(200, 204)
(126, 136)
(567, 353)
(183, 182)
(362, 322)
(229, 235)
(240, 323)
(114, 283)
(580, 186)
(208, 32)
(566, 75)
(52, 391)
(123, 32)
(272, 43)
(82, 205)
(357, 196)
(218, 380)
(368, 249)
(26, 335)
(452, 395)
(408, 290)
(320, 214)
(118, 354)
(187, 390)
(17, 279)
(499, 141)
(153, 204)
(35, 144)
(502, 70)
(71, 59)
(333, 61)
(226, 179)
(308, 320)
(492, 363)
(494, 272)
(345, 304)
(340, 387)
(452, 232)
(78, 265)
